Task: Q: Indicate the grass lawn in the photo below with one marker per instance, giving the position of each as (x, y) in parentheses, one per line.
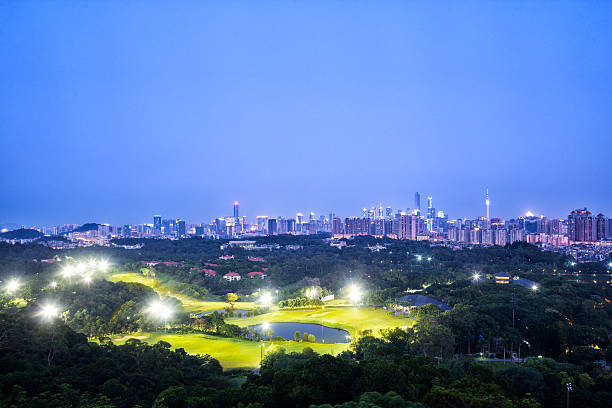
(235, 353)
(189, 304)
(231, 353)
(347, 318)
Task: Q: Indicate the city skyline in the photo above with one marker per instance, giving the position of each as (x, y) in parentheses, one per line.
(487, 204)
(114, 111)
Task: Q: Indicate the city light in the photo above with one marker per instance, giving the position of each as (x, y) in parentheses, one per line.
(53, 284)
(13, 285)
(476, 276)
(534, 287)
(87, 279)
(419, 257)
(354, 294)
(102, 265)
(49, 311)
(610, 265)
(429, 258)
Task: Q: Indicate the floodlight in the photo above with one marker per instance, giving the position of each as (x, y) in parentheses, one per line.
(13, 285)
(354, 294)
(49, 311)
(265, 299)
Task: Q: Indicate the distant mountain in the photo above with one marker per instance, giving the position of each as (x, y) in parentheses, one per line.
(90, 226)
(22, 233)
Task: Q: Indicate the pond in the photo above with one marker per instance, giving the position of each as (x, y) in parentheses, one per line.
(239, 312)
(287, 329)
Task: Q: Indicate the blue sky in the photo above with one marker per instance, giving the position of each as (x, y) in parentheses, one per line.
(112, 111)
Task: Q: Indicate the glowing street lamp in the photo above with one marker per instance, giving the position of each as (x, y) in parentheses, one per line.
(13, 285)
(476, 276)
(92, 263)
(534, 287)
(419, 257)
(610, 265)
(102, 265)
(53, 284)
(429, 258)
(87, 279)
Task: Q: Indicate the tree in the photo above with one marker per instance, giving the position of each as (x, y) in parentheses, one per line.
(231, 298)
(297, 336)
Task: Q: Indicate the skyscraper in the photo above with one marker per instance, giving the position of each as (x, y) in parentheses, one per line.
(582, 226)
(157, 224)
(431, 211)
(417, 203)
(236, 210)
(181, 228)
(487, 202)
(272, 230)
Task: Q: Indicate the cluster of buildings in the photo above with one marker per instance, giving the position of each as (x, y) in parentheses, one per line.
(580, 228)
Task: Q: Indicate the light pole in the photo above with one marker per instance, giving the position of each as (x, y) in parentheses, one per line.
(48, 313)
(569, 388)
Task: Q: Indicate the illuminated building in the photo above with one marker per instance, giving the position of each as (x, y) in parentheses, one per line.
(502, 278)
(157, 224)
(417, 203)
(336, 226)
(582, 226)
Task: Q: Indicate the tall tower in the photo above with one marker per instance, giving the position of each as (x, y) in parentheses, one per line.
(417, 203)
(487, 202)
(236, 211)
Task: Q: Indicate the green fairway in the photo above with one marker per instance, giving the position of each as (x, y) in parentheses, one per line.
(347, 318)
(231, 353)
(189, 304)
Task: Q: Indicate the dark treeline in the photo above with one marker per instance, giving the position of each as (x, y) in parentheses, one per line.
(385, 372)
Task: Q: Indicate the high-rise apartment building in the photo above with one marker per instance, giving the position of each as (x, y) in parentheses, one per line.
(582, 226)
(417, 203)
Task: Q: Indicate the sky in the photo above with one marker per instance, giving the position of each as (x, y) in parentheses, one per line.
(112, 111)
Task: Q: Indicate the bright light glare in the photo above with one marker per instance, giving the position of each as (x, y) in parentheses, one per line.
(312, 293)
(419, 257)
(429, 258)
(53, 284)
(12, 285)
(265, 299)
(159, 310)
(534, 287)
(476, 276)
(102, 265)
(265, 326)
(49, 311)
(354, 294)
(87, 279)
(92, 263)
(610, 265)
(68, 271)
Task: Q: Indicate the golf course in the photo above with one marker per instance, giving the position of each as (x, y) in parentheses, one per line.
(241, 353)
